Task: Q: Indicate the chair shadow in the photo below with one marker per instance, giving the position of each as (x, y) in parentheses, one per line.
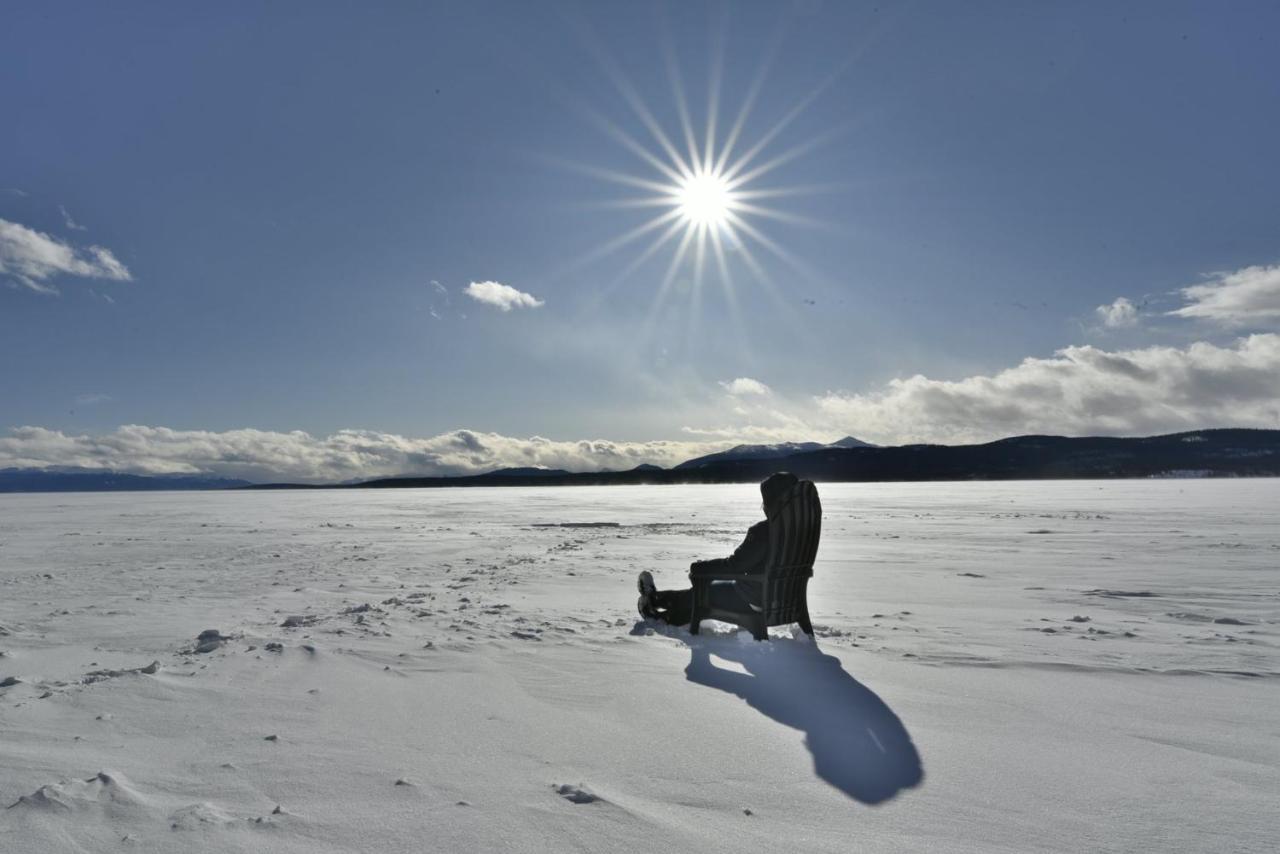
(858, 744)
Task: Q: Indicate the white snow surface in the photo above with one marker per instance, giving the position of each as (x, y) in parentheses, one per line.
(1033, 666)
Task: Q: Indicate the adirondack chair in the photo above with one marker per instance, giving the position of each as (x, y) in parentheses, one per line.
(793, 542)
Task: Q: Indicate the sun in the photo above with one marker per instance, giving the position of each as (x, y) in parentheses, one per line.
(704, 187)
(705, 199)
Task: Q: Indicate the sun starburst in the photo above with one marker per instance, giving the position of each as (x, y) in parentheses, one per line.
(704, 200)
(711, 207)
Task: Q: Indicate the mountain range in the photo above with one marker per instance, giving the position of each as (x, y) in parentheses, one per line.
(770, 452)
(1201, 453)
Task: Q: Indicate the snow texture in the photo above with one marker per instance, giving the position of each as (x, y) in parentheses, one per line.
(999, 667)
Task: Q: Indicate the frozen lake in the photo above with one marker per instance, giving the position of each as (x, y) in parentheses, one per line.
(1039, 666)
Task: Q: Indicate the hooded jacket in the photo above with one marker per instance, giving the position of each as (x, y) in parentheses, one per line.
(749, 558)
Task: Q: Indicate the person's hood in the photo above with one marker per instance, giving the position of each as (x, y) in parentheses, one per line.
(774, 489)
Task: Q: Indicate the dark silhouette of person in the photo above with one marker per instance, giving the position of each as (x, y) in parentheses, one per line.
(675, 606)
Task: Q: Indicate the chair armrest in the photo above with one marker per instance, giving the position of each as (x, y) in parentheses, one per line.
(725, 576)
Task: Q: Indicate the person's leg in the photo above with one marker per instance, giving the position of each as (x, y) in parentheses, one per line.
(674, 606)
(671, 606)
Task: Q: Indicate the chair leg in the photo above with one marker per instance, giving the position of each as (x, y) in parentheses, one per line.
(806, 625)
(760, 630)
(693, 624)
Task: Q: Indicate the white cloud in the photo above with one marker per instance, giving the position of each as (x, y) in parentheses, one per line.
(439, 301)
(501, 296)
(1246, 297)
(1080, 391)
(755, 433)
(261, 455)
(32, 258)
(1119, 315)
(68, 221)
(745, 386)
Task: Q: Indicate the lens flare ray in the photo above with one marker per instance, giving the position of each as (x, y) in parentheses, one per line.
(704, 179)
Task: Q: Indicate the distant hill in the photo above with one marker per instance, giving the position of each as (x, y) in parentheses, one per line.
(81, 480)
(770, 452)
(528, 471)
(1202, 453)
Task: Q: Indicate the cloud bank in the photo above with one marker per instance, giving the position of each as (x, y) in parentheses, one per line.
(1247, 297)
(500, 296)
(261, 455)
(32, 258)
(1080, 391)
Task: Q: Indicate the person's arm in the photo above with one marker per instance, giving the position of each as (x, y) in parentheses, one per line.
(746, 559)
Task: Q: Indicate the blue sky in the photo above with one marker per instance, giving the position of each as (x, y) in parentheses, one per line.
(290, 202)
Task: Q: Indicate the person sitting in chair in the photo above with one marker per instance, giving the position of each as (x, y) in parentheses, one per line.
(675, 607)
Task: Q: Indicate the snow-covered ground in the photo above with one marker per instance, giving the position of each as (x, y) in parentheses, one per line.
(1070, 666)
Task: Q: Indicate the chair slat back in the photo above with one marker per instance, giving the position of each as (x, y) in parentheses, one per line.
(794, 532)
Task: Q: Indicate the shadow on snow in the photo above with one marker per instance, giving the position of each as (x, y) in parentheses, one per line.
(858, 744)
